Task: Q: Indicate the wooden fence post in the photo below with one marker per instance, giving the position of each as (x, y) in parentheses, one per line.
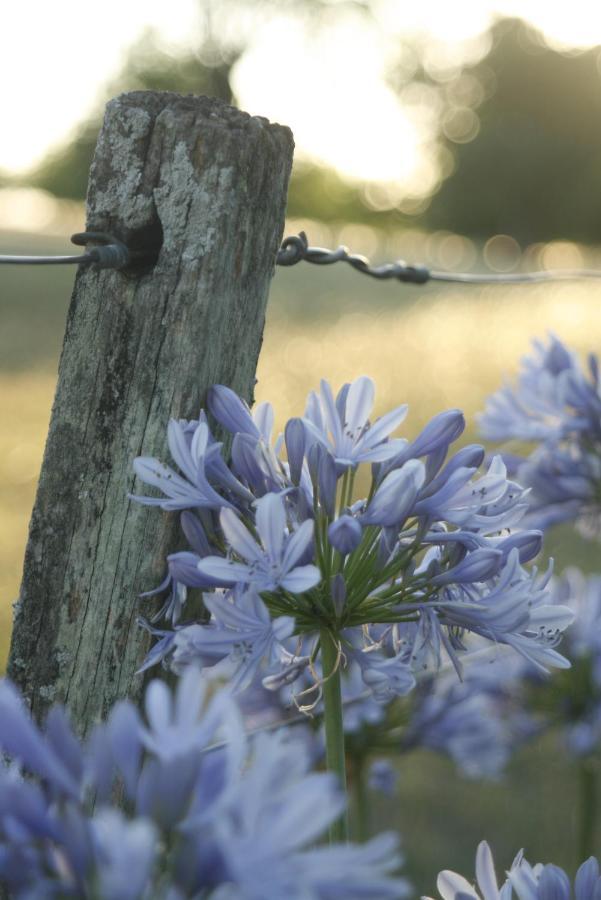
(203, 186)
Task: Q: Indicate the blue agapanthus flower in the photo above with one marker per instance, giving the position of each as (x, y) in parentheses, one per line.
(205, 812)
(555, 405)
(522, 882)
(284, 548)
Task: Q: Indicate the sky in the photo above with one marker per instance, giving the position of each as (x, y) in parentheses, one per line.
(329, 87)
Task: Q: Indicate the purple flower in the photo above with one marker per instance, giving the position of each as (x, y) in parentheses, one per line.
(487, 504)
(240, 630)
(557, 405)
(452, 886)
(477, 722)
(295, 447)
(267, 565)
(343, 427)
(524, 882)
(187, 492)
(208, 812)
(553, 398)
(345, 534)
(395, 497)
(440, 431)
(480, 565)
(386, 677)
(576, 698)
(513, 611)
(427, 554)
(279, 811)
(126, 852)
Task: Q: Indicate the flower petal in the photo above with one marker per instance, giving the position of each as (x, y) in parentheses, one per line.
(297, 545)
(224, 571)
(382, 427)
(359, 404)
(239, 537)
(301, 579)
(271, 524)
(485, 872)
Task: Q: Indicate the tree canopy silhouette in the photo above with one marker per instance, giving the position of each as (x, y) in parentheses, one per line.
(534, 168)
(64, 172)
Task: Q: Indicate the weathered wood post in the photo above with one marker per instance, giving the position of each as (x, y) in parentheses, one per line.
(203, 186)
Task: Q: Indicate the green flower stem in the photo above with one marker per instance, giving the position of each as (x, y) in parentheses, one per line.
(588, 809)
(359, 785)
(333, 719)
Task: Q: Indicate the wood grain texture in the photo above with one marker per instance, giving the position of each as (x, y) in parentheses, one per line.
(141, 347)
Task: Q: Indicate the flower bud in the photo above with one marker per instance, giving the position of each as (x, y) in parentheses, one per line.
(476, 566)
(230, 411)
(345, 534)
(395, 498)
(326, 476)
(294, 435)
(338, 593)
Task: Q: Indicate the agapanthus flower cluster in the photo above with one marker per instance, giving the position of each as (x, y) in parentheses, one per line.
(174, 805)
(523, 881)
(556, 405)
(285, 552)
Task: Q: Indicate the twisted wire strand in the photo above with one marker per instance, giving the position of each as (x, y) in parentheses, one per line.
(296, 249)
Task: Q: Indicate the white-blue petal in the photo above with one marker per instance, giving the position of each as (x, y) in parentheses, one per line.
(297, 544)
(271, 524)
(301, 579)
(382, 427)
(485, 872)
(359, 404)
(239, 537)
(179, 450)
(224, 571)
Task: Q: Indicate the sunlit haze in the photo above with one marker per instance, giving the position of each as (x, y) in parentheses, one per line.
(327, 84)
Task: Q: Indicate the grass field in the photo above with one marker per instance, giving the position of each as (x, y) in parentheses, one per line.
(434, 348)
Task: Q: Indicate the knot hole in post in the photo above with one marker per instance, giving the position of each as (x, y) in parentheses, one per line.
(144, 245)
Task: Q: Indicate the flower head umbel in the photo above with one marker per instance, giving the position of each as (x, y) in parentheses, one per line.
(287, 553)
(522, 882)
(209, 812)
(556, 406)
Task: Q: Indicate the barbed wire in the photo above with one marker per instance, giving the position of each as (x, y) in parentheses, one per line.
(111, 253)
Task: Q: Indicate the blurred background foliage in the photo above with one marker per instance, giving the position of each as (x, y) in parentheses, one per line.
(515, 137)
(518, 134)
